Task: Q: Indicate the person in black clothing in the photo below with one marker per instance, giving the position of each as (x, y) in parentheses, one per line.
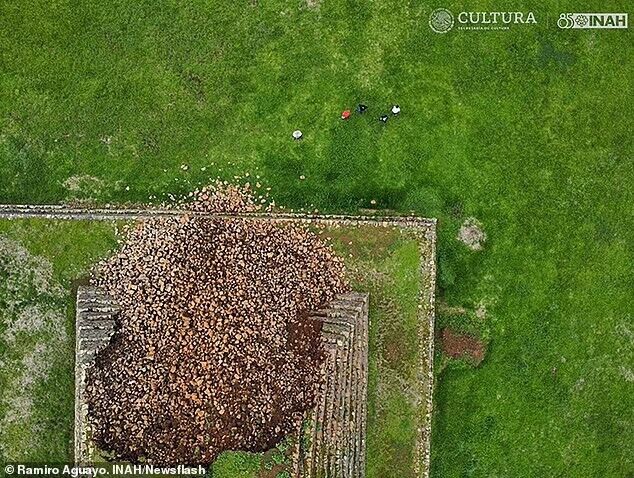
(383, 118)
(361, 108)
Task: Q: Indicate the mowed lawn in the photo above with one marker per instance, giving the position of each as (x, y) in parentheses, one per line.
(528, 130)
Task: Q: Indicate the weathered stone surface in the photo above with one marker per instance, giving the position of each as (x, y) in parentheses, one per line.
(337, 426)
(95, 324)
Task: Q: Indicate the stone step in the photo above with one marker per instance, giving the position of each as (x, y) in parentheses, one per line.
(327, 443)
(96, 304)
(86, 332)
(324, 438)
(87, 357)
(93, 344)
(89, 296)
(346, 400)
(363, 392)
(91, 315)
(339, 341)
(337, 430)
(94, 294)
(320, 413)
(106, 323)
(95, 324)
(349, 413)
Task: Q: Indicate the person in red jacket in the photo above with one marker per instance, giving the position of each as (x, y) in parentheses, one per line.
(345, 115)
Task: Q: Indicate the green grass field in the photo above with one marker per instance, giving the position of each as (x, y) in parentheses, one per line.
(40, 262)
(528, 130)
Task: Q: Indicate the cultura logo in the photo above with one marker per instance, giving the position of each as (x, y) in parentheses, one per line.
(441, 20)
(592, 20)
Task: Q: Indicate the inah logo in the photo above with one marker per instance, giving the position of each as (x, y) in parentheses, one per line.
(441, 20)
(581, 20)
(592, 20)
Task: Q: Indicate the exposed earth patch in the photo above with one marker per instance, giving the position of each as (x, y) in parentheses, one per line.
(462, 346)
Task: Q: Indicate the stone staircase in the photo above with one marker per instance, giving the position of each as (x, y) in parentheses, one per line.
(335, 445)
(95, 324)
(337, 426)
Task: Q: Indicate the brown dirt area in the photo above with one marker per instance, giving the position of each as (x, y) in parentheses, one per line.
(457, 345)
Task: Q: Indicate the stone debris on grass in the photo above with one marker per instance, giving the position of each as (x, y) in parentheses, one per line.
(313, 4)
(223, 197)
(213, 350)
(444, 308)
(33, 312)
(472, 235)
(623, 330)
(481, 311)
(83, 188)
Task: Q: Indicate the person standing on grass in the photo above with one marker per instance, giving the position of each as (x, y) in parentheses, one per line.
(361, 108)
(383, 118)
(396, 109)
(297, 135)
(345, 115)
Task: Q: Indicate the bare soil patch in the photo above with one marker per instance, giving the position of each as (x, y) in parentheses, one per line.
(457, 345)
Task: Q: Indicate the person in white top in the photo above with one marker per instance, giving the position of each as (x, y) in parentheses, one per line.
(396, 109)
(297, 135)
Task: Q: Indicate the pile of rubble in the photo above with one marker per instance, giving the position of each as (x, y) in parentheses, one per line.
(213, 349)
